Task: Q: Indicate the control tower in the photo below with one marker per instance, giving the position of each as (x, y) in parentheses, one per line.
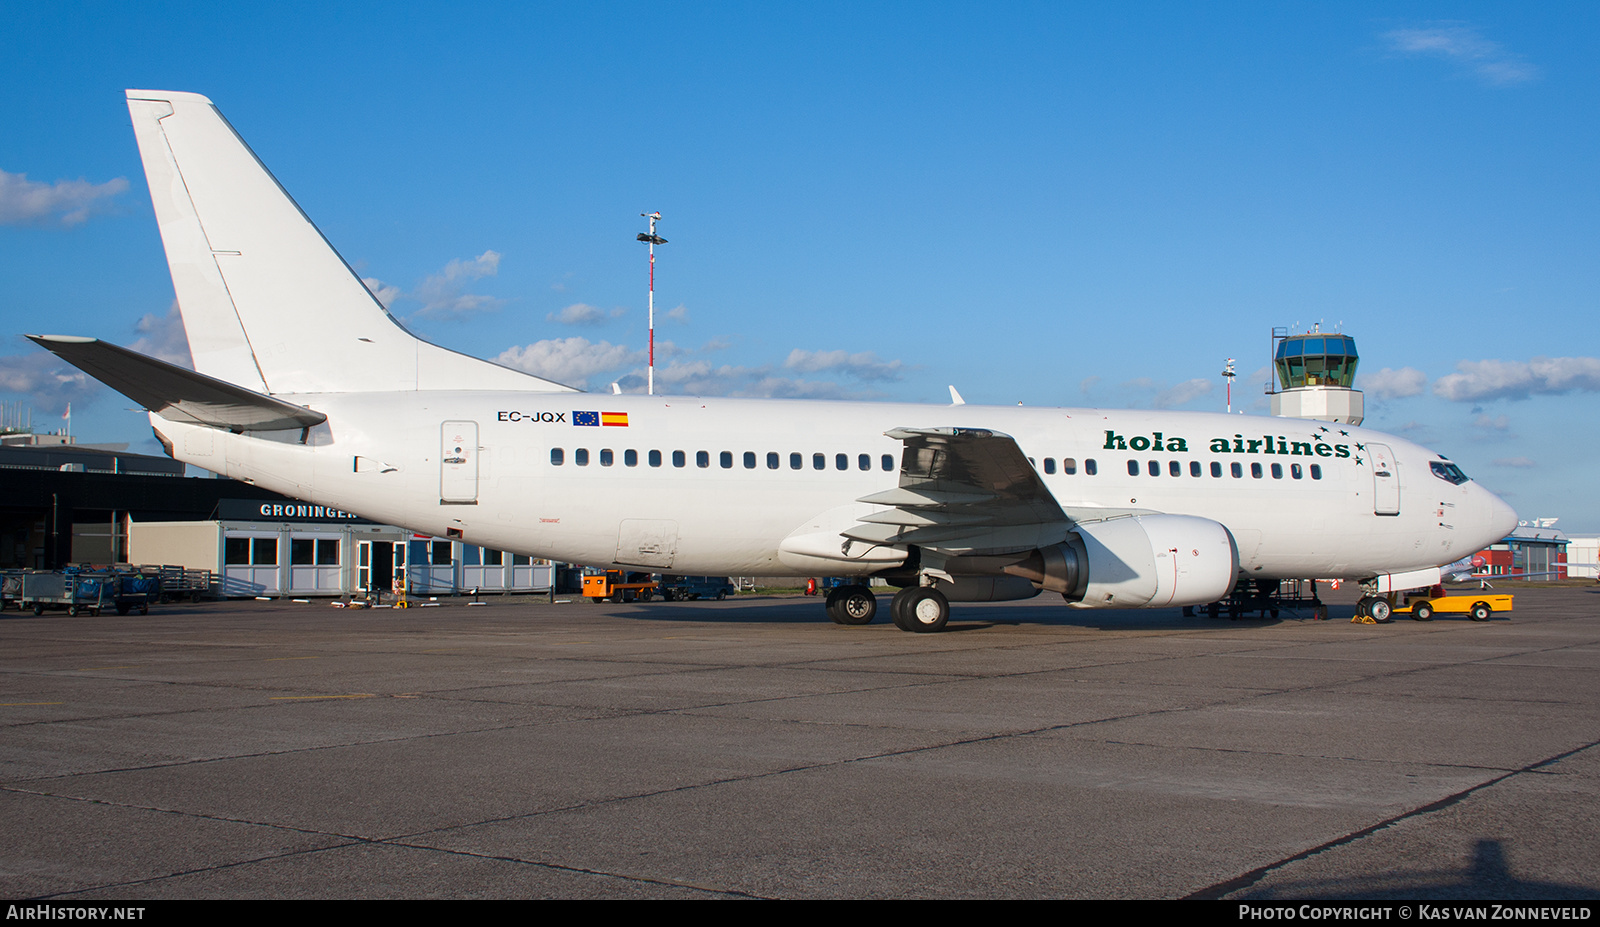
(1313, 373)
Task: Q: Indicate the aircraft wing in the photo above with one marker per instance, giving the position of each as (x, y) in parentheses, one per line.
(970, 490)
(963, 490)
(176, 393)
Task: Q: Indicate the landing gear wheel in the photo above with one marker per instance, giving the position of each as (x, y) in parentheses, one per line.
(1213, 610)
(1422, 612)
(1380, 611)
(922, 609)
(1362, 607)
(1480, 611)
(853, 605)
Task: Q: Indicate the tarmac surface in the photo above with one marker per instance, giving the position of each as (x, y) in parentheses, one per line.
(751, 748)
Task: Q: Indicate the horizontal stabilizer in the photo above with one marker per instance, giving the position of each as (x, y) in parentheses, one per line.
(175, 393)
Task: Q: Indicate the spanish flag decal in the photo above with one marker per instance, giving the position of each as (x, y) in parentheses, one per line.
(614, 418)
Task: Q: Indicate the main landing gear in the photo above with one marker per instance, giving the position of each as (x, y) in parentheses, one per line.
(916, 608)
(920, 608)
(852, 605)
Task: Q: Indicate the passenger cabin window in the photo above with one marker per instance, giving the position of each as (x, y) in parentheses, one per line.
(749, 460)
(1216, 468)
(772, 460)
(796, 461)
(1069, 465)
(888, 463)
(557, 456)
(1090, 468)
(1255, 471)
(1194, 468)
(819, 461)
(606, 457)
(1049, 465)
(1237, 470)
(726, 460)
(841, 461)
(1155, 468)
(1174, 468)
(1133, 468)
(655, 458)
(630, 458)
(1277, 471)
(1316, 471)
(678, 459)
(702, 459)
(1295, 471)
(864, 462)
(581, 457)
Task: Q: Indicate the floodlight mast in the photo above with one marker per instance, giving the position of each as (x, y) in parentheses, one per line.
(652, 239)
(1228, 374)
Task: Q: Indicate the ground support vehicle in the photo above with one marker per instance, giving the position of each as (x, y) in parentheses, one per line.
(10, 588)
(676, 588)
(133, 590)
(1478, 606)
(178, 583)
(619, 586)
(74, 590)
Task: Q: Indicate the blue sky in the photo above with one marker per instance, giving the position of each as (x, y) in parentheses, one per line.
(1057, 204)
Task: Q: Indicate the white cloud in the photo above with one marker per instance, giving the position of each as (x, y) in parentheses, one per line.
(1394, 384)
(1184, 392)
(679, 313)
(1519, 462)
(863, 365)
(1463, 46)
(1497, 379)
(386, 293)
(442, 294)
(48, 382)
(67, 202)
(569, 360)
(163, 337)
(585, 314)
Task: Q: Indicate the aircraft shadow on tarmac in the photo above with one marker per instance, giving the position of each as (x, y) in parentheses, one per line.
(964, 616)
(1487, 876)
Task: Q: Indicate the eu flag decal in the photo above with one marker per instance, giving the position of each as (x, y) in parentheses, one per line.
(586, 418)
(614, 418)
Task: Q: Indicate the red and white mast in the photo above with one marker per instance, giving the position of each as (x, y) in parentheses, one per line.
(652, 239)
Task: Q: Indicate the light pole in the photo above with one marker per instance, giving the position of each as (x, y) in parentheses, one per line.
(652, 239)
(1228, 374)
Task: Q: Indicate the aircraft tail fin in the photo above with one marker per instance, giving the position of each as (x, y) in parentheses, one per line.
(267, 303)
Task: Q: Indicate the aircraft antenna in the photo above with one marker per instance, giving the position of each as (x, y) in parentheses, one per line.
(652, 239)
(1228, 374)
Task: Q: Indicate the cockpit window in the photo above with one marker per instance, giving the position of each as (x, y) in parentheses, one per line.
(1447, 471)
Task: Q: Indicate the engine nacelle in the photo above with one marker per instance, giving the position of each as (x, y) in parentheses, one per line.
(1154, 561)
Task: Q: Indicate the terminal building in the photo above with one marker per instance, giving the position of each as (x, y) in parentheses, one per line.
(71, 504)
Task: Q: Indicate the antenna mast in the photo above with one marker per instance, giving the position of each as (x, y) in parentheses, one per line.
(652, 239)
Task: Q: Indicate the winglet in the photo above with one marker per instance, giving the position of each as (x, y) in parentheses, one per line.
(955, 397)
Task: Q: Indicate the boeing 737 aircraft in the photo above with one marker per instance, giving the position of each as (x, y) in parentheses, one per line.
(303, 383)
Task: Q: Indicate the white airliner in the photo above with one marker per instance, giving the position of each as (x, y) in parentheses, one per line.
(305, 384)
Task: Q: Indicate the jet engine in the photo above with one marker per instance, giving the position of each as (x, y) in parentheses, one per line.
(1138, 561)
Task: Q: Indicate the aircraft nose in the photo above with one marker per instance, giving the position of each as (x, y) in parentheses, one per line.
(1499, 520)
